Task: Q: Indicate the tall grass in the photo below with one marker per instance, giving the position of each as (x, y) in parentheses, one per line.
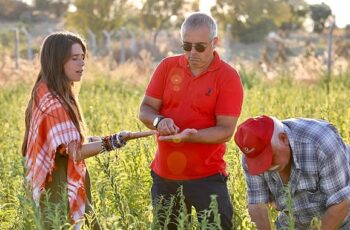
(121, 180)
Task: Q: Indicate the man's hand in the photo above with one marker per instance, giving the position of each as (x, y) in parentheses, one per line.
(167, 127)
(179, 137)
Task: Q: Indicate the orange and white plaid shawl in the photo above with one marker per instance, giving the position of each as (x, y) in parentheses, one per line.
(50, 128)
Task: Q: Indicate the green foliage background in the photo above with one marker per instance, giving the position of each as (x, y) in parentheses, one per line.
(121, 181)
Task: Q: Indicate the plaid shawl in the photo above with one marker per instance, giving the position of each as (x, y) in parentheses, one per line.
(50, 130)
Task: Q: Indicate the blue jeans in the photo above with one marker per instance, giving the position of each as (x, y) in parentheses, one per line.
(197, 193)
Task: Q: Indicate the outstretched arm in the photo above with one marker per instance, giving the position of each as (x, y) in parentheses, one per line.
(259, 215)
(92, 149)
(335, 215)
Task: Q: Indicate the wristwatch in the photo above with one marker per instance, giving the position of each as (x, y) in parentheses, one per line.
(157, 120)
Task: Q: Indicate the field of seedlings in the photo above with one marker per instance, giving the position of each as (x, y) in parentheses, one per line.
(121, 180)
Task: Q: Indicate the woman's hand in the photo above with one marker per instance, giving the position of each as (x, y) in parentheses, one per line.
(127, 135)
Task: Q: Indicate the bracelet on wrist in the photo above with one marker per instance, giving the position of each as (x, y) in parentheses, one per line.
(112, 142)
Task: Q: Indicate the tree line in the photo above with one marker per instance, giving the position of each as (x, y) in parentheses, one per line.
(250, 20)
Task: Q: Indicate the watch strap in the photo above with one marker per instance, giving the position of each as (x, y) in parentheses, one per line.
(158, 121)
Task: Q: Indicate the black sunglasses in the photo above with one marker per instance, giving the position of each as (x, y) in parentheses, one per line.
(199, 47)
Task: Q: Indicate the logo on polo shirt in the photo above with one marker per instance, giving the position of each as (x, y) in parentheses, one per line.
(246, 150)
(208, 92)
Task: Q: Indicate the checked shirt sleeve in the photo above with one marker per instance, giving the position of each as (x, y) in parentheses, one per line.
(258, 192)
(334, 168)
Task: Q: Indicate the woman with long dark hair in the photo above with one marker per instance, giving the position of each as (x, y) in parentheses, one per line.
(53, 143)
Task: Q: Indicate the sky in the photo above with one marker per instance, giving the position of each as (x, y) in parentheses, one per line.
(340, 8)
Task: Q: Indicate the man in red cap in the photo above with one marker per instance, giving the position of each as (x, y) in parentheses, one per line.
(305, 157)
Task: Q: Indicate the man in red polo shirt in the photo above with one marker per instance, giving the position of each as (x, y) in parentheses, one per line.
(194, 101)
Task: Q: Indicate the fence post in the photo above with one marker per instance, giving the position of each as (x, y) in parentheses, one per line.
(122, 55)
(227, 43)
(50, 30)
(108, 42)
(143, 39)
(108, 46)
(29, 43)
(16, 47)
(331, 25)
(133, 46)
(331, 21)
(92, 41)
(122, 45)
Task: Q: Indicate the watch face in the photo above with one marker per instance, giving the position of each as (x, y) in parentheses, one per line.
(155, 121)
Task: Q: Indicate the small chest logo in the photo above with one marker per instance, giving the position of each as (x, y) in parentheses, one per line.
(246, 150)
(208, 93)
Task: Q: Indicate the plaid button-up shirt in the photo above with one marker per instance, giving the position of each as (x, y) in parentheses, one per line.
(320, 174)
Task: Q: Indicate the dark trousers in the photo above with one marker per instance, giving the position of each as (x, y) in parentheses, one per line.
(196, 193)
(57, 188)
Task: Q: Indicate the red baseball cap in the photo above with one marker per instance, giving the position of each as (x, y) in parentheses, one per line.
(253, 137)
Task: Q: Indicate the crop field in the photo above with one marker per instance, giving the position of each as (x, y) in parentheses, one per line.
(121, 180)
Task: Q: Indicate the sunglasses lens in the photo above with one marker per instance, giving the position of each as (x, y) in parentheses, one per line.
(200, 48)
(187, 47)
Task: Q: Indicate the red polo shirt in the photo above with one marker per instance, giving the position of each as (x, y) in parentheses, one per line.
(193, 102)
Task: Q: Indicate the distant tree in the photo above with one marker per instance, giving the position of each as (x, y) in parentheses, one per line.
(99, 15)
(194, 5)
(319, 14)
(347, 31)
(299, 10)
(55, 7)
(11, 10)
(157, 14)
(251, 20)
(42, 4)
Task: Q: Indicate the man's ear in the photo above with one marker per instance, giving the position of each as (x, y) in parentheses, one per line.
(283, 137)
(215, 41)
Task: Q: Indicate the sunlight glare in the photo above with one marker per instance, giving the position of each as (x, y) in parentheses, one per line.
(205, 5)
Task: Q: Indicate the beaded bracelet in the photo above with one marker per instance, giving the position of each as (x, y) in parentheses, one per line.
(112, 142)
(117, 141)
(106, 144)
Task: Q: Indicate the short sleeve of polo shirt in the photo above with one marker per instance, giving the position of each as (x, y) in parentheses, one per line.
(157, 84)
(230, 97)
